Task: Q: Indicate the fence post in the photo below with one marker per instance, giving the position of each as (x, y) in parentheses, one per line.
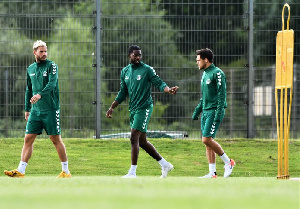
(250, 121)
(295, 102)
(6, 94)
(98, 69)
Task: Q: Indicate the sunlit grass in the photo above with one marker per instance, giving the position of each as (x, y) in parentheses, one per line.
(148, 192)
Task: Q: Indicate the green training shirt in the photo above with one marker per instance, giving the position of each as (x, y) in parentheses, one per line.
(136, 82)
(42, 79)
(213, 88)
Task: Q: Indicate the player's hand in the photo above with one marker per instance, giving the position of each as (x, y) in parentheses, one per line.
(27, 115)
(173, 90)
(195, 117)
(35, 98)
(109, 113)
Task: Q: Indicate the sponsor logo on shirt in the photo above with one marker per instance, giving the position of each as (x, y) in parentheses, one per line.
(138, 77)
(32, 74)
(45, 73)
(208, 81)
(126, 77)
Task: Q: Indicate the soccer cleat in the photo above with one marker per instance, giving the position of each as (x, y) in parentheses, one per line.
(64, 175)
(129, 176)
(14, 173)
(228, 168)
(210, 175)
(165, 170)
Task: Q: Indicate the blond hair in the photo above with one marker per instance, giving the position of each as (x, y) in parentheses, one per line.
(38, 43)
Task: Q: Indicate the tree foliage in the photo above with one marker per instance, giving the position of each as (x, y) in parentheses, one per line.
(168, 32)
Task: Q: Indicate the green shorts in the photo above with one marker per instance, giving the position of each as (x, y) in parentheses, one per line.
(208, 127)
(50, 121)
(139, 119)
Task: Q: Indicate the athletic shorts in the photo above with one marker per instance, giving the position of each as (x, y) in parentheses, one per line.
(50, 121)
(139, 119)
(208, 127)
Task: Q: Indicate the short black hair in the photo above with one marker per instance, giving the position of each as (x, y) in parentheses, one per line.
(206, 53)
(133, 47)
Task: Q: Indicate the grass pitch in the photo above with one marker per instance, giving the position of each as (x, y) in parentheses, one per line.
(97, 165)
(148, 193)
(90, 157)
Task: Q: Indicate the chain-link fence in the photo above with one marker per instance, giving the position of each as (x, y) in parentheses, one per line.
(66, 27)
(169, 33)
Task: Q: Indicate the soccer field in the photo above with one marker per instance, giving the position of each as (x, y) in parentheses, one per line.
(149, 192)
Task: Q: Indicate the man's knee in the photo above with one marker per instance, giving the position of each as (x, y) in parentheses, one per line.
(143, 140)
(56, 139)
(135, 135)
(207, 140)
(29, 139)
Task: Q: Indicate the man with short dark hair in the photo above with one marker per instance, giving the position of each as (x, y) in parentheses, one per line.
(136, 81)
(212, 105)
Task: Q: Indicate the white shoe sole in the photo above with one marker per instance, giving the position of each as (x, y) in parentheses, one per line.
(128, 177)
(170, 168)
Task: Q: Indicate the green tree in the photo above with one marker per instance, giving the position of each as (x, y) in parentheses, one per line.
(144, 23)
(72, 48)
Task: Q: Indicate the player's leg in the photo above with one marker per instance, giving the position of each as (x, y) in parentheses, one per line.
(216, 147)
(135, 124)
(51, 123)
(62, 154)
(138, 121)
(25, 156)
(33, 128)
(148, 147)
(60, 147)
(212, 146)
(166, 167)
(134, 140)
(211, 155)
(211, 158)
(209, 131)
(27, 147)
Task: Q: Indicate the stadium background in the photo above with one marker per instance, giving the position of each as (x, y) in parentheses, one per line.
(89, 41)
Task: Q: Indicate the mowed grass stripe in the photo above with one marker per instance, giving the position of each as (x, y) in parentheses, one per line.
(90, 157)
(148, 192)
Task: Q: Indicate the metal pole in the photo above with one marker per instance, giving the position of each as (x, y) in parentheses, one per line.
(72, 116)
(250, 73)
(6, 94)
(295, 99)
(232, 99)
(98, 69)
